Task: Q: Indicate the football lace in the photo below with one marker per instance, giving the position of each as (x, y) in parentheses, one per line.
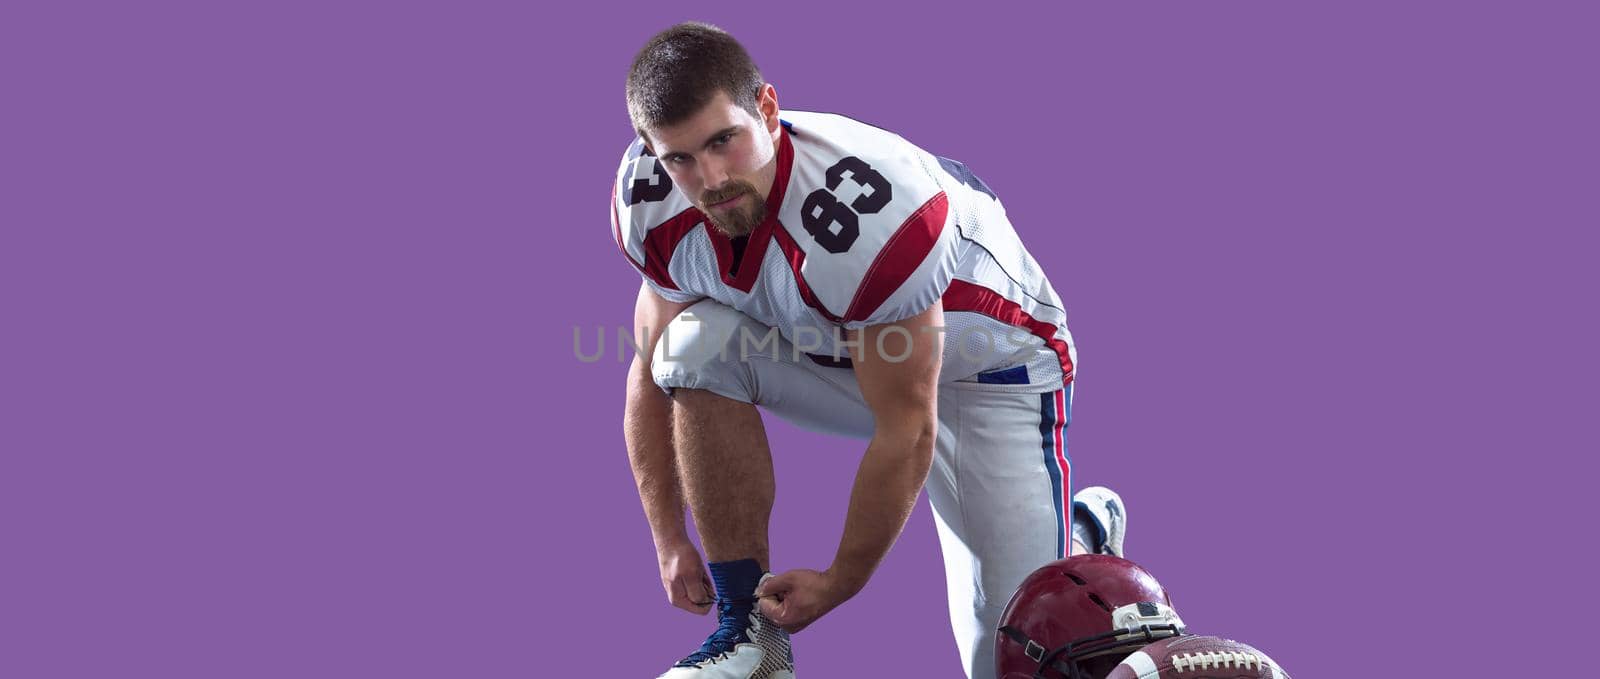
(1184, 662)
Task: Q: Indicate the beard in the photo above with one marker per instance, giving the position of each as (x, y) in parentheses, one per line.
(742, 217)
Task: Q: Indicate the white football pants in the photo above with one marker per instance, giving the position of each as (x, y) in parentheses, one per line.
(1000, 485)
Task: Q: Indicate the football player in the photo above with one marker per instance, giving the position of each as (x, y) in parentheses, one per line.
(852, 283)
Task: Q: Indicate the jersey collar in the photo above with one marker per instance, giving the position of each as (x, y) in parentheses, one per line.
(761, 236)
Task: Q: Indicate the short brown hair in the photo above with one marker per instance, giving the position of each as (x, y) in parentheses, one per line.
(682, 68)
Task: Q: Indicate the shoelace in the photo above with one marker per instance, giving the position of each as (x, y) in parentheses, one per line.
(733, 618)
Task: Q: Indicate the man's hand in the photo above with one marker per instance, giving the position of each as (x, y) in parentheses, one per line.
(684, 577)
(903, 396)
(647, 427)
(797, 598)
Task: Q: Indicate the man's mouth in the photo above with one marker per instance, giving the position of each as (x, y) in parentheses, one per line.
(727, 203)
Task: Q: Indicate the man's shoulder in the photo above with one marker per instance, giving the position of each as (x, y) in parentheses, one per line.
(823, 137)
(866, 211)
(821, 133)
(642, 198)
(881, 176)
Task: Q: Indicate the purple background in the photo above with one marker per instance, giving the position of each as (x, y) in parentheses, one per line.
(288, 294)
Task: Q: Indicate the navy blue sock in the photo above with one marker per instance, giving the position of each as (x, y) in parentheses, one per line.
(736, 579)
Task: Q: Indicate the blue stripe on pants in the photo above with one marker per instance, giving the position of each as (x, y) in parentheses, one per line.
(1047, 426)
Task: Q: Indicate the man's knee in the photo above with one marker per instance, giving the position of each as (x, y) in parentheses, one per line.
(701, 349)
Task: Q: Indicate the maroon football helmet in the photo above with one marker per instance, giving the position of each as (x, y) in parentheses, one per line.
(1075, 618)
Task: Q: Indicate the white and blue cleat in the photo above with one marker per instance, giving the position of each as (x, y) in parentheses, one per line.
(1108, 516)
(746, 645)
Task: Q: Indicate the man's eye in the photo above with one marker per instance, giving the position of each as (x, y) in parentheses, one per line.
(722, 139)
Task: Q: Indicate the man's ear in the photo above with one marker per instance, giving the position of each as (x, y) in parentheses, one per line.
(768, 105)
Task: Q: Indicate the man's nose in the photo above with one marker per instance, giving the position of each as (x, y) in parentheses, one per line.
(713, 174)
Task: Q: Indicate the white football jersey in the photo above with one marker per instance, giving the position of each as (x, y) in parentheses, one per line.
(862, 228)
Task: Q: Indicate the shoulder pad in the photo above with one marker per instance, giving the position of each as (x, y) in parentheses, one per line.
(869, 217)
(643, 199)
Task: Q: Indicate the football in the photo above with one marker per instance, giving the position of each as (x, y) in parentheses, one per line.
(1197, 657)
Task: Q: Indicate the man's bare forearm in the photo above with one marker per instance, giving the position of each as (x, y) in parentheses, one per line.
(647, 429)
(891, 474)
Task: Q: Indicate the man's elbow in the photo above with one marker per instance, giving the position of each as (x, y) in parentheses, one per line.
(924, 446)
(916, 435)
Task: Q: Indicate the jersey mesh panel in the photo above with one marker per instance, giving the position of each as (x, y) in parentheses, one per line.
(972, 209)
(975, 341)
(695, 247)
(997, 261)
